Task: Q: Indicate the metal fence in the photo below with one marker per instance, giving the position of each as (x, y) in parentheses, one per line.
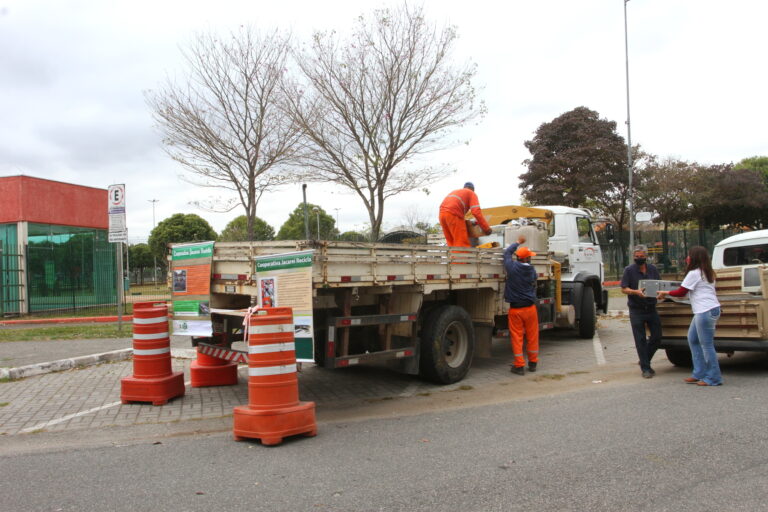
(76, 277)
(669, 259)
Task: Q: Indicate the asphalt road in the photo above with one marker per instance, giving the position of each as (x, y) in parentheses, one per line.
(627, 444)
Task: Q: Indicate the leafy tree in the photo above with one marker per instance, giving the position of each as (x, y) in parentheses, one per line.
(573, 158)
(755, 163)
(372, 104)
(353, 236)
(141, 257)
(293, 228)
(721, 196)
(178, 228)
(578, 159)
(225, 124)
(237, 230)
(663, 187)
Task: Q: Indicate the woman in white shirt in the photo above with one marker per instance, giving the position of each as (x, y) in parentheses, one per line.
(699, 285)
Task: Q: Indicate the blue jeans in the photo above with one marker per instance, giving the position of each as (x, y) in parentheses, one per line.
(646, 346)
(701, 336)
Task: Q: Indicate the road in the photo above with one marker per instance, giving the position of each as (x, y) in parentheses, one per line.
(604, 440)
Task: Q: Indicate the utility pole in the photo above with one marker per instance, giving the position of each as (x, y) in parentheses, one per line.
(154, 258)
(337, 220)
(630, 192)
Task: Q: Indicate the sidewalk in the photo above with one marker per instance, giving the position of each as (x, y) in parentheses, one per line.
(89, 398)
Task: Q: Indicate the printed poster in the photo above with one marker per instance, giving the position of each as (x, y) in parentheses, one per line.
(285, 280)
(191, 288)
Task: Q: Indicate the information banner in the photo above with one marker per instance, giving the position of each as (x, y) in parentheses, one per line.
(191, 288)
(285, 280)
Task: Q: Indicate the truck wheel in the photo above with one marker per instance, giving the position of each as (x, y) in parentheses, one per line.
(447, 344)
(679, 357)
(588, 313)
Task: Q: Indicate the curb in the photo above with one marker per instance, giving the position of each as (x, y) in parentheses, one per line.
(61, 365)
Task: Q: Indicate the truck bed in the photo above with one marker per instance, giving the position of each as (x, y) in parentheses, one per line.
(354, 264)
(743, 315)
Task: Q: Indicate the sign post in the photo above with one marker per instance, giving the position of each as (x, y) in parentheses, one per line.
(118, 233)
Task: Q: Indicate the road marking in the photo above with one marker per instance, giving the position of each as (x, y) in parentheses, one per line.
(598, 347)
(68, 417)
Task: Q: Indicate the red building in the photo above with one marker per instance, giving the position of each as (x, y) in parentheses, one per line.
(54, 252)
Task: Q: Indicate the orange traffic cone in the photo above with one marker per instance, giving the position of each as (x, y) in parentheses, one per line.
(273, 411)
(152, 381)
(208, 370)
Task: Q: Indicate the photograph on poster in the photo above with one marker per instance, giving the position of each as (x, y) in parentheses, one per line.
(180, 280)
(267, 287)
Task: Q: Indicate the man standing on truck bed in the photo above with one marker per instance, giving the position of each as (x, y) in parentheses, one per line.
(452, 211)
(520, 293)
(642, 309)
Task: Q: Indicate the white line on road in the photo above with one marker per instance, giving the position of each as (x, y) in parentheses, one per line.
(598, 347)
(68, 417)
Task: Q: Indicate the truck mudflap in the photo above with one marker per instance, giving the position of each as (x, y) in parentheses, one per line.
(721, 345)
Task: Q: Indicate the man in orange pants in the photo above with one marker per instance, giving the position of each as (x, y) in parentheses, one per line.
(452, 211)
(520, 293)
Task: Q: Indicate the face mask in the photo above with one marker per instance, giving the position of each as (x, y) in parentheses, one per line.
(640, 261)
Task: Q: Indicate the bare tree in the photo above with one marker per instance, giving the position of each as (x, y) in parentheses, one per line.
(225, 124)
(372, 103)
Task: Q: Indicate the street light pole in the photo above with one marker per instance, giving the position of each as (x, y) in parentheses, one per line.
(154, 258)
(337, 220)
(630, 192)
(317, 214)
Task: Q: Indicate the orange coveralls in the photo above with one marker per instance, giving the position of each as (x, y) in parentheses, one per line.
(524, 320)
(452, 211)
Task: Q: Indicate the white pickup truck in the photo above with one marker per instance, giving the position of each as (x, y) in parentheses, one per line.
(741, 265)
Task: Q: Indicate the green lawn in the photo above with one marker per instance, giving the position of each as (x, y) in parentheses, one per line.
(66, 332)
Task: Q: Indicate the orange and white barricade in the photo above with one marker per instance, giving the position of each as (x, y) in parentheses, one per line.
(153, 379)
(274, 410)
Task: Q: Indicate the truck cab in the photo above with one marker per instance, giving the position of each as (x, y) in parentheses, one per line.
(571, 240)
(743, 249)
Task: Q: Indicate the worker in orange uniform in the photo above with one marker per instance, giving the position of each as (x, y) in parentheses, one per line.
(520, 293)
(452, 211)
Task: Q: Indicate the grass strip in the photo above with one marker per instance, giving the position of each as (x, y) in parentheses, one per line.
(65, 332)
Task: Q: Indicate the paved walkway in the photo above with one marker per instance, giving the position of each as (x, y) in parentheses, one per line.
(90, 397)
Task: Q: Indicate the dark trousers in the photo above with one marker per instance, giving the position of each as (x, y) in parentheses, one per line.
(646, 346)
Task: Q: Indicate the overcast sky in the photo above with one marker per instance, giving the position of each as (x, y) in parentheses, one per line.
(72, 76)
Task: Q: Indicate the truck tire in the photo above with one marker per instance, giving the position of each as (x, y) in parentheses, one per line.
(679, 357)
(447, 344)
(587, 319)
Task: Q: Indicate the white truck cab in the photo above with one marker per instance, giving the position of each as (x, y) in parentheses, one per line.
(743, 249)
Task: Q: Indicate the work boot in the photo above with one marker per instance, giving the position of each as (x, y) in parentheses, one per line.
(519, 370)
(532, 367)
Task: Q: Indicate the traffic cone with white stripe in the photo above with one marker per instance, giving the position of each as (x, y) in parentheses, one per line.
(208, 370)
(274, 410)
(152, 380)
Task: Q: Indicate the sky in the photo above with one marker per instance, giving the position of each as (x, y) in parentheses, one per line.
(73, 76)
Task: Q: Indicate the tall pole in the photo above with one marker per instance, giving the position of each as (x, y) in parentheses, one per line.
(630, 192)
(317, 214)
(337, 221)
(154, 258)
(306, 213)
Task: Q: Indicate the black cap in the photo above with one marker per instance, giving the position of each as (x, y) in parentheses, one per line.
(469, 185)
